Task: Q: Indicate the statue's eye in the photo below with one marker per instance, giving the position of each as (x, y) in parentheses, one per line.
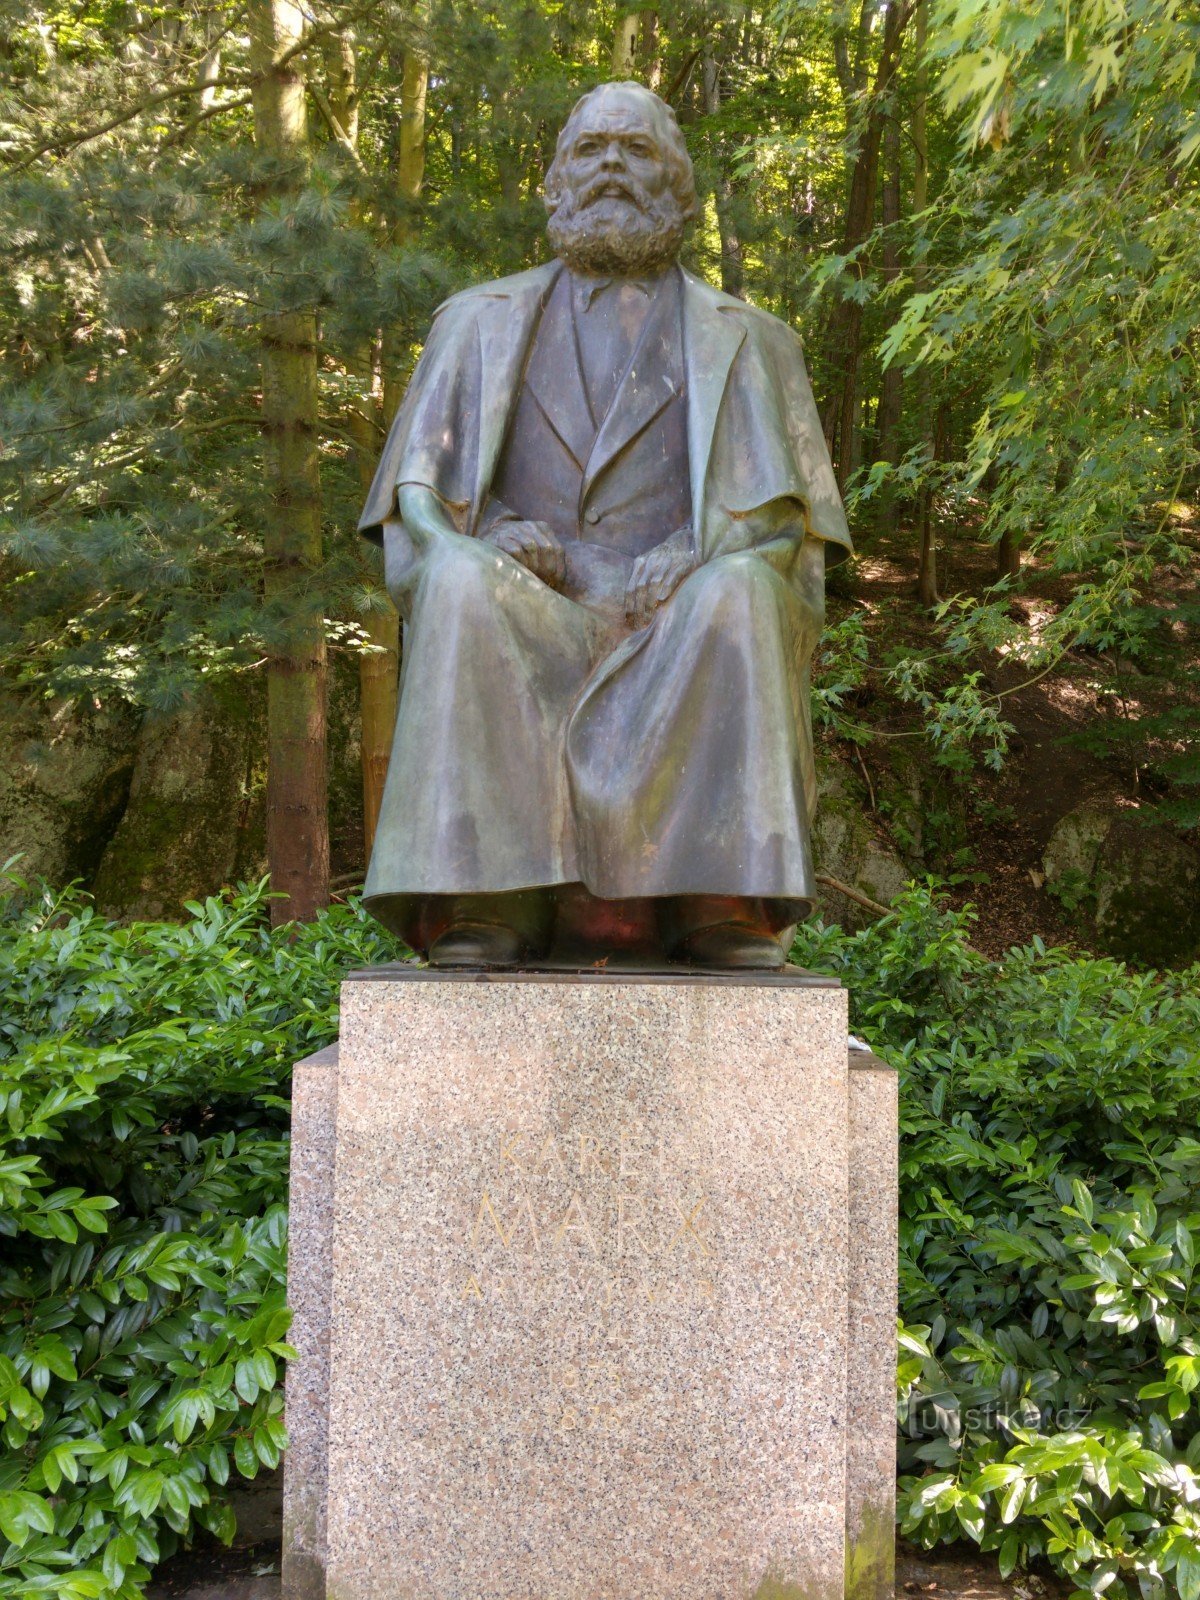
(637, 147)
(586, 147)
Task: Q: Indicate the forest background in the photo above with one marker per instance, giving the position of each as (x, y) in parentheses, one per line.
(228, 226)
(226, 229)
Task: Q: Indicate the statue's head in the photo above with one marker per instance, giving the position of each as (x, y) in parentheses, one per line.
(620, 189)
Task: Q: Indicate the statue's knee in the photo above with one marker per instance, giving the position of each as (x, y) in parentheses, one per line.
(459, 572)
(732, 585)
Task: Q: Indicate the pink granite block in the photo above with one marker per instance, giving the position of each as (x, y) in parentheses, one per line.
(590, 1313)
(874, 1245)
(310, 1238)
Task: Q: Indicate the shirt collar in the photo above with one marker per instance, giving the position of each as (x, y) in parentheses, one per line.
(588, 288)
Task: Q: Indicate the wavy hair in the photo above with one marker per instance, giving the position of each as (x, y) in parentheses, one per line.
(680, 176)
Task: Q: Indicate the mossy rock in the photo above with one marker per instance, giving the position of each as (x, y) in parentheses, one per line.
(196, 813)
(193, 821)
(1073, 849)
(847, 844)
(1148, 895)
(1135, 886)
(65, 772)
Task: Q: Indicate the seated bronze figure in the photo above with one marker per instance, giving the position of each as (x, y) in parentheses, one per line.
(605, 505)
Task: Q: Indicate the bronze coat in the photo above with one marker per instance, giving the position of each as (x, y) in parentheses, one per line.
(531, 751)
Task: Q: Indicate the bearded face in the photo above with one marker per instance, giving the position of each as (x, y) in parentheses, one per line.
(615, 210)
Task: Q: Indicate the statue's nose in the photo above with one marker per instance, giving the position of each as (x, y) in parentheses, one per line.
(614, 155)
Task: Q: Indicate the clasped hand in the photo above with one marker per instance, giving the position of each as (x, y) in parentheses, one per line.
(656, 576)
(534, 545)
(653, 580)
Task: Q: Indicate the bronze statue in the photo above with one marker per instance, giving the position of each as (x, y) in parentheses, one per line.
(604, 504)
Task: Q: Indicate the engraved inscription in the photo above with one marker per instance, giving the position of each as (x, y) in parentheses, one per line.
(616, 1205)
(623, 1200)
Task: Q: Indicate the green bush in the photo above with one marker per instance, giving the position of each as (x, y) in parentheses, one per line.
(143, 1188)
(1050, 1225)
(1050, 1221)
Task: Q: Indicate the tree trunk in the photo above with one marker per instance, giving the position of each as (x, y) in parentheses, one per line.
(624, 47)
(927, 560)
(891, 386)
(732, 266)
(851, 65)
(920, 116)
(844, 338)
(414, 90)
(649, 58)
(297, 814)
(378, 665)
(1008, 555)
(414, 87)
(927, 577)
(927, 581)
(379, 669)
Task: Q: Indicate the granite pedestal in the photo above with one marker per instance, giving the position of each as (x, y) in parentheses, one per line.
(594, 1283)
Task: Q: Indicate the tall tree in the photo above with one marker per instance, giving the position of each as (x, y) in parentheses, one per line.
(379, 669)
(891, 384)
(624, 46)
(844, 336)
(927, 578)
(732, 264)
(297, 813)
(649, 55)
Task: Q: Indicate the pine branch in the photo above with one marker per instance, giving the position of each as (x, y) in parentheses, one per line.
(321, 101)
(182, 135)
(64, 144)
(140, 453)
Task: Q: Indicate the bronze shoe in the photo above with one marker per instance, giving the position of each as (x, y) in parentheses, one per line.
(730, 946)
(477, 944)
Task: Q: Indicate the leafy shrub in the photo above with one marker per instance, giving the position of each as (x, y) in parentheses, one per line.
(1050, 1226)
(1050, 1222)
(143, 1186)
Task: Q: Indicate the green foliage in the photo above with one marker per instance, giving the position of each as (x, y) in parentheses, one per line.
(1050, 1229)
(143, 1189)
(1064, 257)
(841, 669)
(1042, 306)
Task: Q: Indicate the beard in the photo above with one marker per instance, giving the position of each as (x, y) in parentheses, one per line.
(625, 235)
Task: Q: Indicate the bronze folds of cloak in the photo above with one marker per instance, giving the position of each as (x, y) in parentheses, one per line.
(605, 505)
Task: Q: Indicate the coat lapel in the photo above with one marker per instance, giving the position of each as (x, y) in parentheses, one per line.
(654, 377)
(505, 326)
(713, 333)
(555, 377)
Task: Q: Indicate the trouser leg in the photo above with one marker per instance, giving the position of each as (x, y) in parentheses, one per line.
(688, 753)
(476, 798)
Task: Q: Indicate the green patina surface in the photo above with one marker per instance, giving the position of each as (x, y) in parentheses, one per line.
(776, 1588)
(871, 1554)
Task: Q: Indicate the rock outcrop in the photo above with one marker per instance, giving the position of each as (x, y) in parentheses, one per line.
(1134, 885)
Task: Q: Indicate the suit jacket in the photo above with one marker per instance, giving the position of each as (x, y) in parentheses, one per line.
(619, 481)
(757, 462)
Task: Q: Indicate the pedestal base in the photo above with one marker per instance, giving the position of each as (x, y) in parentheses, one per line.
(598, 1300)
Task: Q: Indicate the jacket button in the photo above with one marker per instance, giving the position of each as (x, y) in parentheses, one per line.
(592, 516)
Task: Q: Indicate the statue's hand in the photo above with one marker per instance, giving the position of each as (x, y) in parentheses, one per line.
(657, 575)
(534, 545)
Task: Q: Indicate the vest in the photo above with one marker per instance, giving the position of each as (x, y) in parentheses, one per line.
(622, 485)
